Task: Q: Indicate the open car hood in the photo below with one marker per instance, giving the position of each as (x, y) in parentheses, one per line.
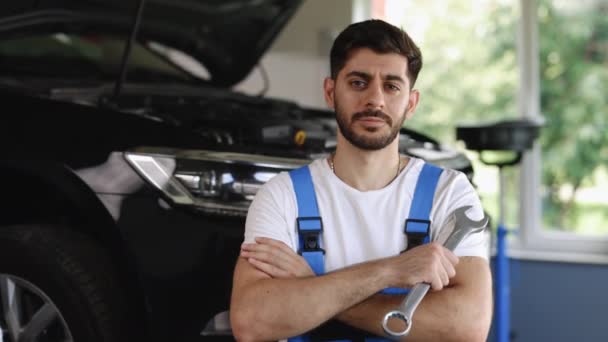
(228, 37)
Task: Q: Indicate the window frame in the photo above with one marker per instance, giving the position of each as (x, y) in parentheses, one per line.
(532, 240)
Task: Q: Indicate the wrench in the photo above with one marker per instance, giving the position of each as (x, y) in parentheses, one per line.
(463, 227)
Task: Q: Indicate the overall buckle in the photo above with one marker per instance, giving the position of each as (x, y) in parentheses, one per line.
(417, 232)
(310, 229)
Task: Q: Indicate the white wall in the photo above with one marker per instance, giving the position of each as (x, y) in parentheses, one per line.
(298, 61)
(314, 26)
(291, 76)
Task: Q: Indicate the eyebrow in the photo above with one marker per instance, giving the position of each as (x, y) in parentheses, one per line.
(367, 77)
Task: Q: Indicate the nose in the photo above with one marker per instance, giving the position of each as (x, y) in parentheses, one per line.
(374, 99)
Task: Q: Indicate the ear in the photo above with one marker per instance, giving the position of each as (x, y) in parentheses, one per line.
(412, 104)
(328, 91)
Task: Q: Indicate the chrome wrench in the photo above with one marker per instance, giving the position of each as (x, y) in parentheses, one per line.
(463, 227)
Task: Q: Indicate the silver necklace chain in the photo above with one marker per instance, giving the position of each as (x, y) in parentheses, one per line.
(333, 169)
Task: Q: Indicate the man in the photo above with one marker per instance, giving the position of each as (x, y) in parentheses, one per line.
(364, 193)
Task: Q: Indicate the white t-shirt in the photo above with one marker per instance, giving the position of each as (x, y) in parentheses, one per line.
(364, 225)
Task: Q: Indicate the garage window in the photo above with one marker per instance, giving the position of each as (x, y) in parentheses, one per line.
(573, 39)
(565, 188)
(547, 60)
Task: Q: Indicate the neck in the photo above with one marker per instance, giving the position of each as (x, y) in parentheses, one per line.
(367, 170)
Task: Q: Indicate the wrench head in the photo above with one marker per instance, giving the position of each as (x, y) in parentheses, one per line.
(462, 220)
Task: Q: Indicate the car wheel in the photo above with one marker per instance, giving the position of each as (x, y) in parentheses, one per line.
(57, 285)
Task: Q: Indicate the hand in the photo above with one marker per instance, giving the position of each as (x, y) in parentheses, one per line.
(429, 263)
(275, 259)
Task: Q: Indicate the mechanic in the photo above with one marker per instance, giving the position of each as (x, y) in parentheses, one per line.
(329, 243)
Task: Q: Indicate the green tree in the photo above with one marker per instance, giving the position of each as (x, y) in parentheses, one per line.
(470, 75)
(574, 88)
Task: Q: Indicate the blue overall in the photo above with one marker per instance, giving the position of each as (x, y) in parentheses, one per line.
(310, 226)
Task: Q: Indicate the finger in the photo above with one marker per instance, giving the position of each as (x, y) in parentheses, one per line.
(270, 255)
(304, 268)
(248, 246)
(443, 276)
(438, 272)
(273, 242)
(437, 283)
(448, 266)
(445, 279)
(266, 247)
(301, 261)
(269, 269)
(265, 257)
(450, 256)
(276, 249)
(277, 244)
(286, 265)
(271, 251)
(254, 254)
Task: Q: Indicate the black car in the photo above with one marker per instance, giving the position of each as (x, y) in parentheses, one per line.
(129, 163)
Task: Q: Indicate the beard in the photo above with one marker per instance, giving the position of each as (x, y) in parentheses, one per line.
(371, 142)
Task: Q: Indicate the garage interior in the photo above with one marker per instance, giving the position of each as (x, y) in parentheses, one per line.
(82, 180)
(546, 265)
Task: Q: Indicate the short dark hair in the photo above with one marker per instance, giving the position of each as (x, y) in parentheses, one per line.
(380, 37)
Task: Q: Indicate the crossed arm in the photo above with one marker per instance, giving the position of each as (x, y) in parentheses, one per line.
(275, 294)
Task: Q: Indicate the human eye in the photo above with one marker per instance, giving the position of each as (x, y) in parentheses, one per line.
(392, 87)
(358, 84)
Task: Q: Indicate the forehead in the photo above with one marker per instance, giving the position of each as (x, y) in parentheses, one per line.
(367, 61)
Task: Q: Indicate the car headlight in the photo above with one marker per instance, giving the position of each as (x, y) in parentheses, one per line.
(212, 182)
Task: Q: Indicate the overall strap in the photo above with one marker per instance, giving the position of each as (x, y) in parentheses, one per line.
(309, 223)
(418, 224)
(309, 226)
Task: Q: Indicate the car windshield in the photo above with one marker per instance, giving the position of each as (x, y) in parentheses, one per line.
(93, 57)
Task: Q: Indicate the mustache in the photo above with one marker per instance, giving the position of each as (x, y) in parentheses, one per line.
(373, 114)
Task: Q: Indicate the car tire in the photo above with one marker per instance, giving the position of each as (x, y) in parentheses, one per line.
(57, 269)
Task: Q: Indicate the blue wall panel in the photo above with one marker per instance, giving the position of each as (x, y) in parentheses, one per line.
(557, 302)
